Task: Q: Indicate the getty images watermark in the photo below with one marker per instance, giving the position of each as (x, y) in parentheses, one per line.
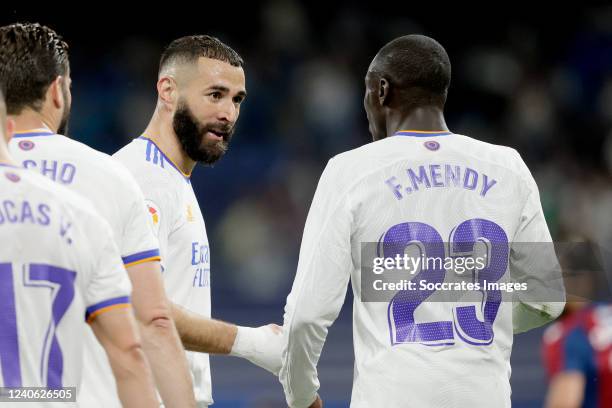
(412, 265)
(470, 271)
(459, 265)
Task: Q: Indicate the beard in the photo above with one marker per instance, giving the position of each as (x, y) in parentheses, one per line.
(192, 135)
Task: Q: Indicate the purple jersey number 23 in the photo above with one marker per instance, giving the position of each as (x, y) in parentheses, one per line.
(402, 324)
(61, 284)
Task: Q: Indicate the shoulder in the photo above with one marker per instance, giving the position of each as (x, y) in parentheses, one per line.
(465, 145)
(57, 195)
(500, 155)
(108, 173)
(146, 163)
(148, 168)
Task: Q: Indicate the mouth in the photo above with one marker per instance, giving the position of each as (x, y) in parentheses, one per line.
(216, 135)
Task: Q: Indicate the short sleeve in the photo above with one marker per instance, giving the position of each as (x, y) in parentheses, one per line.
(109, 286)
(139, 241)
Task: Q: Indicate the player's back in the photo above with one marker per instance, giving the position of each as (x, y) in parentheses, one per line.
(114, 193)
(52, 277)
(432, 196)
(93, 174)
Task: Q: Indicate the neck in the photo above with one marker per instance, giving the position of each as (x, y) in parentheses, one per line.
(160, 131)
(30, 119)
(426, 118)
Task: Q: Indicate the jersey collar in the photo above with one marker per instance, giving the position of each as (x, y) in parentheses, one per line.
(422, 133)
(169, 160)
(34, 133)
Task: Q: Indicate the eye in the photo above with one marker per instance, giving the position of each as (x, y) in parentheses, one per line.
(238, 99)
(216, 95)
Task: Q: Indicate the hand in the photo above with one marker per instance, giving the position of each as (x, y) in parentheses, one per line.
(318, 403)
(268, 348)
(276, 328)
(262, 346)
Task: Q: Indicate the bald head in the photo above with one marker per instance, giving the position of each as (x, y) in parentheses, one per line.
(417, 68)
(406, 85)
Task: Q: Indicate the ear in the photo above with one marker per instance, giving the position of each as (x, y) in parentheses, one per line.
(55, 92)
(383, 91)
(10, 129)
(167, 92)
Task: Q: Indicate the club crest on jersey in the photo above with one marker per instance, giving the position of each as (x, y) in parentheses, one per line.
(26, 145)
(432, 145)
(12, 177)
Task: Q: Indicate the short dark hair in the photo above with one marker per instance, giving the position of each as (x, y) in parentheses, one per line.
(188, 49)
(32, 56)
(419, 63)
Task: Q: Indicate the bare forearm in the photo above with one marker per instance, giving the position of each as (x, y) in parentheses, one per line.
(116, 330)
(134, 382)
(160, 342)
(260, 345)
(165, 353)
(566, 390)
(202, 334)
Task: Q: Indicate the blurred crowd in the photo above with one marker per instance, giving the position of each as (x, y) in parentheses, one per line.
(542, 87)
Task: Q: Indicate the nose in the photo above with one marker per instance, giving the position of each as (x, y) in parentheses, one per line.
(227, 112)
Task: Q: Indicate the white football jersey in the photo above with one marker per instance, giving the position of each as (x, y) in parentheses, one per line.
(115, 194)
(182, 237)
(59, 266)
(441, 194)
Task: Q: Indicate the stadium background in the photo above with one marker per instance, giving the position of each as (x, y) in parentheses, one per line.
(535, 80)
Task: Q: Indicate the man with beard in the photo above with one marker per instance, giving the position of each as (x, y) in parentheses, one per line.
(35, 77)
(200, 86)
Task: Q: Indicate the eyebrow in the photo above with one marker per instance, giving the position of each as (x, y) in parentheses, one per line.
(225, 89)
